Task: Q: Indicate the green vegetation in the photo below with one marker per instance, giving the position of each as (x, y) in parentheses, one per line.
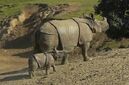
(115, 44)
(117, 13)
(14, 6)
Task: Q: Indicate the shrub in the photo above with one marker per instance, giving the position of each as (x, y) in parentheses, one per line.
(117, 13)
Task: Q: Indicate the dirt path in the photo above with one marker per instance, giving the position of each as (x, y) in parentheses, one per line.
(108, 68)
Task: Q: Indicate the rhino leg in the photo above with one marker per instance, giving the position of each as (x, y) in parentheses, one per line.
(31, 74)
(85, 48)
(33, 66)
(30, 69)
(64, 59)
(46, 69)
(53, 66)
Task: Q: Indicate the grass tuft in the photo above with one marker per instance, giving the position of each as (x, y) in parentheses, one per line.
(13, 7)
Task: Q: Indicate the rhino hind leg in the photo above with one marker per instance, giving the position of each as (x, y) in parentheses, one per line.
(30, 68)
(53, 66)
(64, 59)
(46, 69)
(37, 48)
(33, 66)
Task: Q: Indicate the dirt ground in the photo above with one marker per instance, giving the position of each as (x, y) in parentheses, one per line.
(107, 68)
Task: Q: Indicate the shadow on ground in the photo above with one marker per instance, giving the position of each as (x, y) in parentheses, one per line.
(14, 75)
(19, 43)
(24, 54)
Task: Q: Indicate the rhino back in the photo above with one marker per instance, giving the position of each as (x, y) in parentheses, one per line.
(50, 60)
(69, 33)
(40, 58)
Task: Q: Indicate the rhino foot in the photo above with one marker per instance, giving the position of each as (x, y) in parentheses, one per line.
(64, 62)
(31, 74)
(87, 59)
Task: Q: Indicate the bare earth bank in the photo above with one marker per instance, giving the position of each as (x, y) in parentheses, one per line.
(108, 68)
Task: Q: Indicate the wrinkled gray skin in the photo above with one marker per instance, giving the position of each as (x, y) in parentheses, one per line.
(66, 34)
(40, 61)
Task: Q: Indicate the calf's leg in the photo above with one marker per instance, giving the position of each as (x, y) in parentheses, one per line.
(53, 66)
(33, 66)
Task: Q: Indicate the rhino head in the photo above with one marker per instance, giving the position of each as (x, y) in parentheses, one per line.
(92, 23)
(102, 25)
(98, 26)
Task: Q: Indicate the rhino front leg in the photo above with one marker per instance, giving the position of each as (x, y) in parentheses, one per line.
(64, 59)
(53, 66)
(85, 48)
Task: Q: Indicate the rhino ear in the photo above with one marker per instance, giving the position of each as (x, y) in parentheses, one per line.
(92, 16)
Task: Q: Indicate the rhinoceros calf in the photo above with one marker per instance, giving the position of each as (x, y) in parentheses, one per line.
(40, 61)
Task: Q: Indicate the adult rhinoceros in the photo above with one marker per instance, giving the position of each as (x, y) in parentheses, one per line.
(67, 34)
